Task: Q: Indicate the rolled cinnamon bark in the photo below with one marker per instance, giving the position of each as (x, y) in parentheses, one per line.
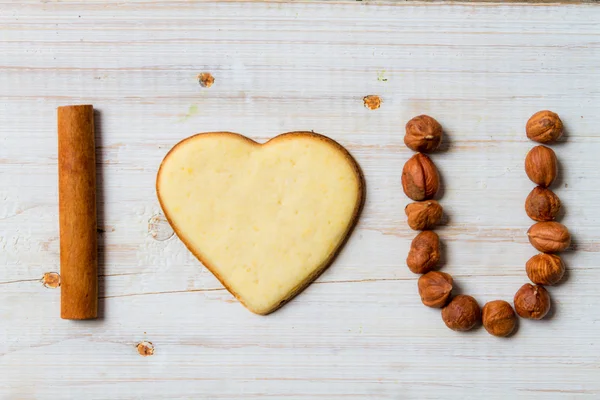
(77, 212)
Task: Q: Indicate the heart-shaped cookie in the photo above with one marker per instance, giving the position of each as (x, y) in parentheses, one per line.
(265, 219)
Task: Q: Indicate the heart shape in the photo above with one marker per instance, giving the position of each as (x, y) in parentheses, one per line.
(265, 219)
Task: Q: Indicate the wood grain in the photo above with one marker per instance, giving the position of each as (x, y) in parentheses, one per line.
(359, 332)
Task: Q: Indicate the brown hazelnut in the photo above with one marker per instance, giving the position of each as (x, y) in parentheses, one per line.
(542, 204)
(545, 269)
(499, 318)
(435, 288)
(532, 301)
(420, 179)
(549, 237)
(462, 313)
(544, 127)
(423, 134)
(423, 215)
(424, 252)
(541, 165)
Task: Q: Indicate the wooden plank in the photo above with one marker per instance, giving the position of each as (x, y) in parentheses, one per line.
(360, 332)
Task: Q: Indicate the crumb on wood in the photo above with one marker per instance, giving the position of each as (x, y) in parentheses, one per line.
(51, 280)
(192, 111)
(206, 79)
(145, 348)
(372, 101)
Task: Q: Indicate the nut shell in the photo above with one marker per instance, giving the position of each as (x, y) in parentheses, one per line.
(423, 134)
(545, 269)
(499, 318)
(435, 288)
(424, 214)
(532, 301)
(420, 179)
(544, 127)
(542, 204)
(549, 237)
(462, 313)
(541, 165)
(424, 252)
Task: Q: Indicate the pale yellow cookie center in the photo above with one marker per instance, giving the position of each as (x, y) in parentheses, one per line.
(263, 218)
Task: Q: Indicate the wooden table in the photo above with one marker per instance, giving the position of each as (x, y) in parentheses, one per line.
(359, 332)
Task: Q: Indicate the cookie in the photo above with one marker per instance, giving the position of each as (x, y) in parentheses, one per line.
(265, 219)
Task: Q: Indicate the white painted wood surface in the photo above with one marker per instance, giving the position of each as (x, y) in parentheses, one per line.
(361, 331)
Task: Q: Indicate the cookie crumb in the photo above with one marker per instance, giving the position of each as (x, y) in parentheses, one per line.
(381, 76)
(206, 79)
(51, 280)
(372, 101)
(145, 349)
(159, 228)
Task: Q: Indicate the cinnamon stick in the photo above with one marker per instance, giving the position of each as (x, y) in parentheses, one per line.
(77, 212)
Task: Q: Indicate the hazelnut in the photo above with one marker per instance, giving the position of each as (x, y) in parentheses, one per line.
(424, 252)
(435, 288)
(532, 302)
(545, 269)
(541, 165)
(420, 179)
(542, 204)
(499, 318)
(549, 237)
(423, 215)
(544, 127)
(423, 134)
(462, 313)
